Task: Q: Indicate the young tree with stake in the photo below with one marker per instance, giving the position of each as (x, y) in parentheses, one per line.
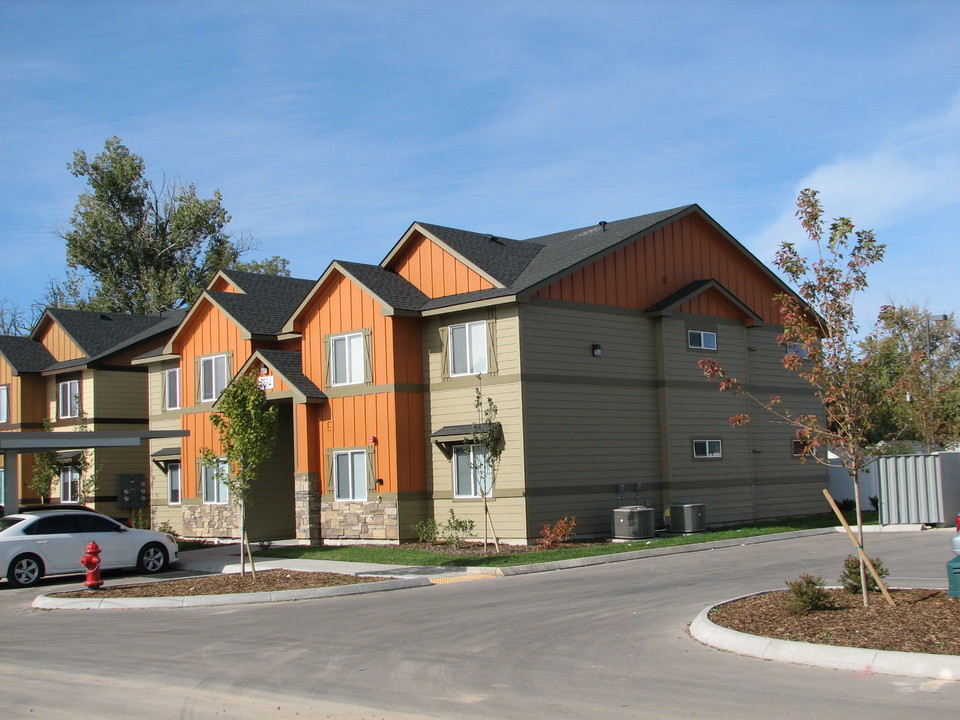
(821, 329)
(247, 424)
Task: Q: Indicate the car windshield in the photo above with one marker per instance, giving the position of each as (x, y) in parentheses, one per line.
(9, 521)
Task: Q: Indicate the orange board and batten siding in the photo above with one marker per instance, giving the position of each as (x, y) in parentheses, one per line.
(661, 262)
(434, 270)
(394, 415)
(208, 332)
(343, 307)
(58, 343)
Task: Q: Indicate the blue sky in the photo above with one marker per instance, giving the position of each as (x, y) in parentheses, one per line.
(330, 126)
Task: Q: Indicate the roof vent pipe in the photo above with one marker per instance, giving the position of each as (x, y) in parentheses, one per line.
(603, 226)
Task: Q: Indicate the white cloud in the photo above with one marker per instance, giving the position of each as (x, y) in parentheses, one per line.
(913, 173)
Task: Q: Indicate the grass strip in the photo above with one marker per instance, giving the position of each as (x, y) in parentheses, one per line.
(401, 555)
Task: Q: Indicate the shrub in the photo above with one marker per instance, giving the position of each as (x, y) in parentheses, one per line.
(456, 530)
(850, 579)
(875, 502)
(427, 530)
(808, 595)
(553, 535)
(847, 504)
(166, 527)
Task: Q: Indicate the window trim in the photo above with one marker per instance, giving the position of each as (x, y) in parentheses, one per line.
(222, 492)
(226, 376)
(69, 478)
(706, 454)
(476, 488)
(177, 401)
(701, 335)
(4, 403)
(170, 484)
(352, 342)
(70, 409)
(802, 446)
(472, 355)
(352, 480)
(798, 349)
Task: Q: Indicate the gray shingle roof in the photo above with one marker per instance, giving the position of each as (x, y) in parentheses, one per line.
(553, 255)
(25, 355)
(289, 364)
(394, 290)
(265, 303)
(97, 332)
(501, 258)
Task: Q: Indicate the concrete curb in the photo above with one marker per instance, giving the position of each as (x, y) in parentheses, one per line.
(47, 602)
(654, 552)
(886, 662)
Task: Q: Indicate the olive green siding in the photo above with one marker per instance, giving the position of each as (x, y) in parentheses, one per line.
(631, 415)
(591, 421)
(450, 401)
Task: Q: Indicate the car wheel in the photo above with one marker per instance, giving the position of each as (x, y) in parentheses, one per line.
(25, 570)
(152, 559)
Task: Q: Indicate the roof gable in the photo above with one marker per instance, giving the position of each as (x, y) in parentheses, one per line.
(25, 355)
(261, 305)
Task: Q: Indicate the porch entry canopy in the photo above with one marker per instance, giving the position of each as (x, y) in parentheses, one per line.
(16, 443)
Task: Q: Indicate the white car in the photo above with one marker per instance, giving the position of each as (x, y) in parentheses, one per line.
(51, 542)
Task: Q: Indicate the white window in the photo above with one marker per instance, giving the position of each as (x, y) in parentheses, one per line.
(4, 403)
(800, 448)
(3, 486)
(69, 484)
(347, 359)
(173, 483)
(702, 339)
(798, 349)
(471, 471)
(350, 475)
(171, 391)
(707, 449)
(213, 377)
(68, 399)
(214, 481)
(468, 348)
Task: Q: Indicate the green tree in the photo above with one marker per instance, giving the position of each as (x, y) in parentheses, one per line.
(488, 438)
(136, 247)
(820, 327)
(914, 363)
(247, 425)
(46, 468)
(275, 265)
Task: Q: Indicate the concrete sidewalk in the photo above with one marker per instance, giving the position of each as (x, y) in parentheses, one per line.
(226, 559)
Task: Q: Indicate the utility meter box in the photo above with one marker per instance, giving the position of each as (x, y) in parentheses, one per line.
(132, 491)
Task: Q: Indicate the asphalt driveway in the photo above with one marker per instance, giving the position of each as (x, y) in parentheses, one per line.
(596, 642)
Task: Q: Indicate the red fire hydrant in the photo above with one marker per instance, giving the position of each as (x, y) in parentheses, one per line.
(91, 561)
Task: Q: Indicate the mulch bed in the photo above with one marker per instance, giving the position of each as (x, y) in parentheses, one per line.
(267, 581)
(925, 621)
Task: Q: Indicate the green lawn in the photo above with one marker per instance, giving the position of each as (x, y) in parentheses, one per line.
(400, 555)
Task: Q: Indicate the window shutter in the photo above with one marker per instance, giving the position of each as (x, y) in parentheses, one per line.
(327, 363)
(371, 470)
(197, 374)
(444, 352)
(491, 345)
(329, 482)
(368, 356)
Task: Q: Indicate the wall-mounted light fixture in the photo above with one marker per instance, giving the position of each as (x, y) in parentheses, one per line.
(597, 350)
(373, 439)
(264, 370)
